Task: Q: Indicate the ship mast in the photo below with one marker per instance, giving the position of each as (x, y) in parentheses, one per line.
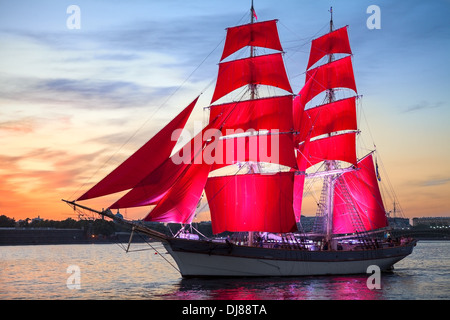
(252, 86)
(253, 167)
(329, 164)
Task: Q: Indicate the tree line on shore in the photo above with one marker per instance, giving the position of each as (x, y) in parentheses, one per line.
(97, 226)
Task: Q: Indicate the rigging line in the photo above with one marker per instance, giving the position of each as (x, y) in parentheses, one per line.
(390, 187)
(363, 115)
(158, 252)
(391, 190)
(310, 188)
(305, 41)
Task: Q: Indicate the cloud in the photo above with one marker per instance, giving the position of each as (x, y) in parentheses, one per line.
(23, 125)
(79, 93)
(424, 105)
(435, 182)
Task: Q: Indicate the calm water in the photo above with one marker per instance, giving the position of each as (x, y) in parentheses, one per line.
(107, 272)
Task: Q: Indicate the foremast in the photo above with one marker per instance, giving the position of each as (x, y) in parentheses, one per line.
(253, 167)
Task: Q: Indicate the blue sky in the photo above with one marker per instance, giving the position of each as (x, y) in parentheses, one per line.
(75, 102)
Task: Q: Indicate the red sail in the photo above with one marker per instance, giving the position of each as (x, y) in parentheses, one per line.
(258, 114)
(252, 202)
(155, 186)
(336, 74)
(179, 204)
(259, 34)
(270, 148)
(339, 147)
(151, 189)
(336, 116)
(143, 161)
(362, 187)
(267, 70)
(333, 42)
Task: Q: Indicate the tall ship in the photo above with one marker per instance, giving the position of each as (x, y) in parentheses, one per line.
(254, 160)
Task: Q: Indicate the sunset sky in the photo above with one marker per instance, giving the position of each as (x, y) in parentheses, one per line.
(74, 103)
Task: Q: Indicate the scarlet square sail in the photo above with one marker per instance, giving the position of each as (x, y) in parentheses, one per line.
(336, 74)
(270, 119)
(258, 114)
(261, 34)
(327, 118)
(337, 147)
(333, 42)
(252, 202)
(269, 148)
(266, 69)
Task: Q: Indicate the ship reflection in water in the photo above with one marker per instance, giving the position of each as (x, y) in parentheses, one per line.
(303, 288)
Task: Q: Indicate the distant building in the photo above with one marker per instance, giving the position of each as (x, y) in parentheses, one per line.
(38, 219)
(438, 222)
(399, 223)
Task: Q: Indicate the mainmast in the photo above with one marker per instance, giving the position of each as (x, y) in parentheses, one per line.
(253, 167)
(330, 92)
(252, 86)
(330, 164)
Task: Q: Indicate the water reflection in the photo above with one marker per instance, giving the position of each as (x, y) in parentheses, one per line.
(39, 272)
(299, 288)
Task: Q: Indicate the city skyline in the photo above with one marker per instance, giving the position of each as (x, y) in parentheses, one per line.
(75, 102)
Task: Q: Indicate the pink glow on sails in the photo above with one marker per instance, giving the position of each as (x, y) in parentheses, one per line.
(142, 162)
(261, 34)
(338, 147)
(267, 70)
(363, 188)
(179, 203)
(252, 202)
(333, 42)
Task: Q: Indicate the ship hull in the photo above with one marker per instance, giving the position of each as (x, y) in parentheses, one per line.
(210, 259)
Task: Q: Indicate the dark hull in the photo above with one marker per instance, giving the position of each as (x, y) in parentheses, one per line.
(197, 258)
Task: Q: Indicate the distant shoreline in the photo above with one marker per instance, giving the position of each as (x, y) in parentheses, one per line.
(49, 236)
